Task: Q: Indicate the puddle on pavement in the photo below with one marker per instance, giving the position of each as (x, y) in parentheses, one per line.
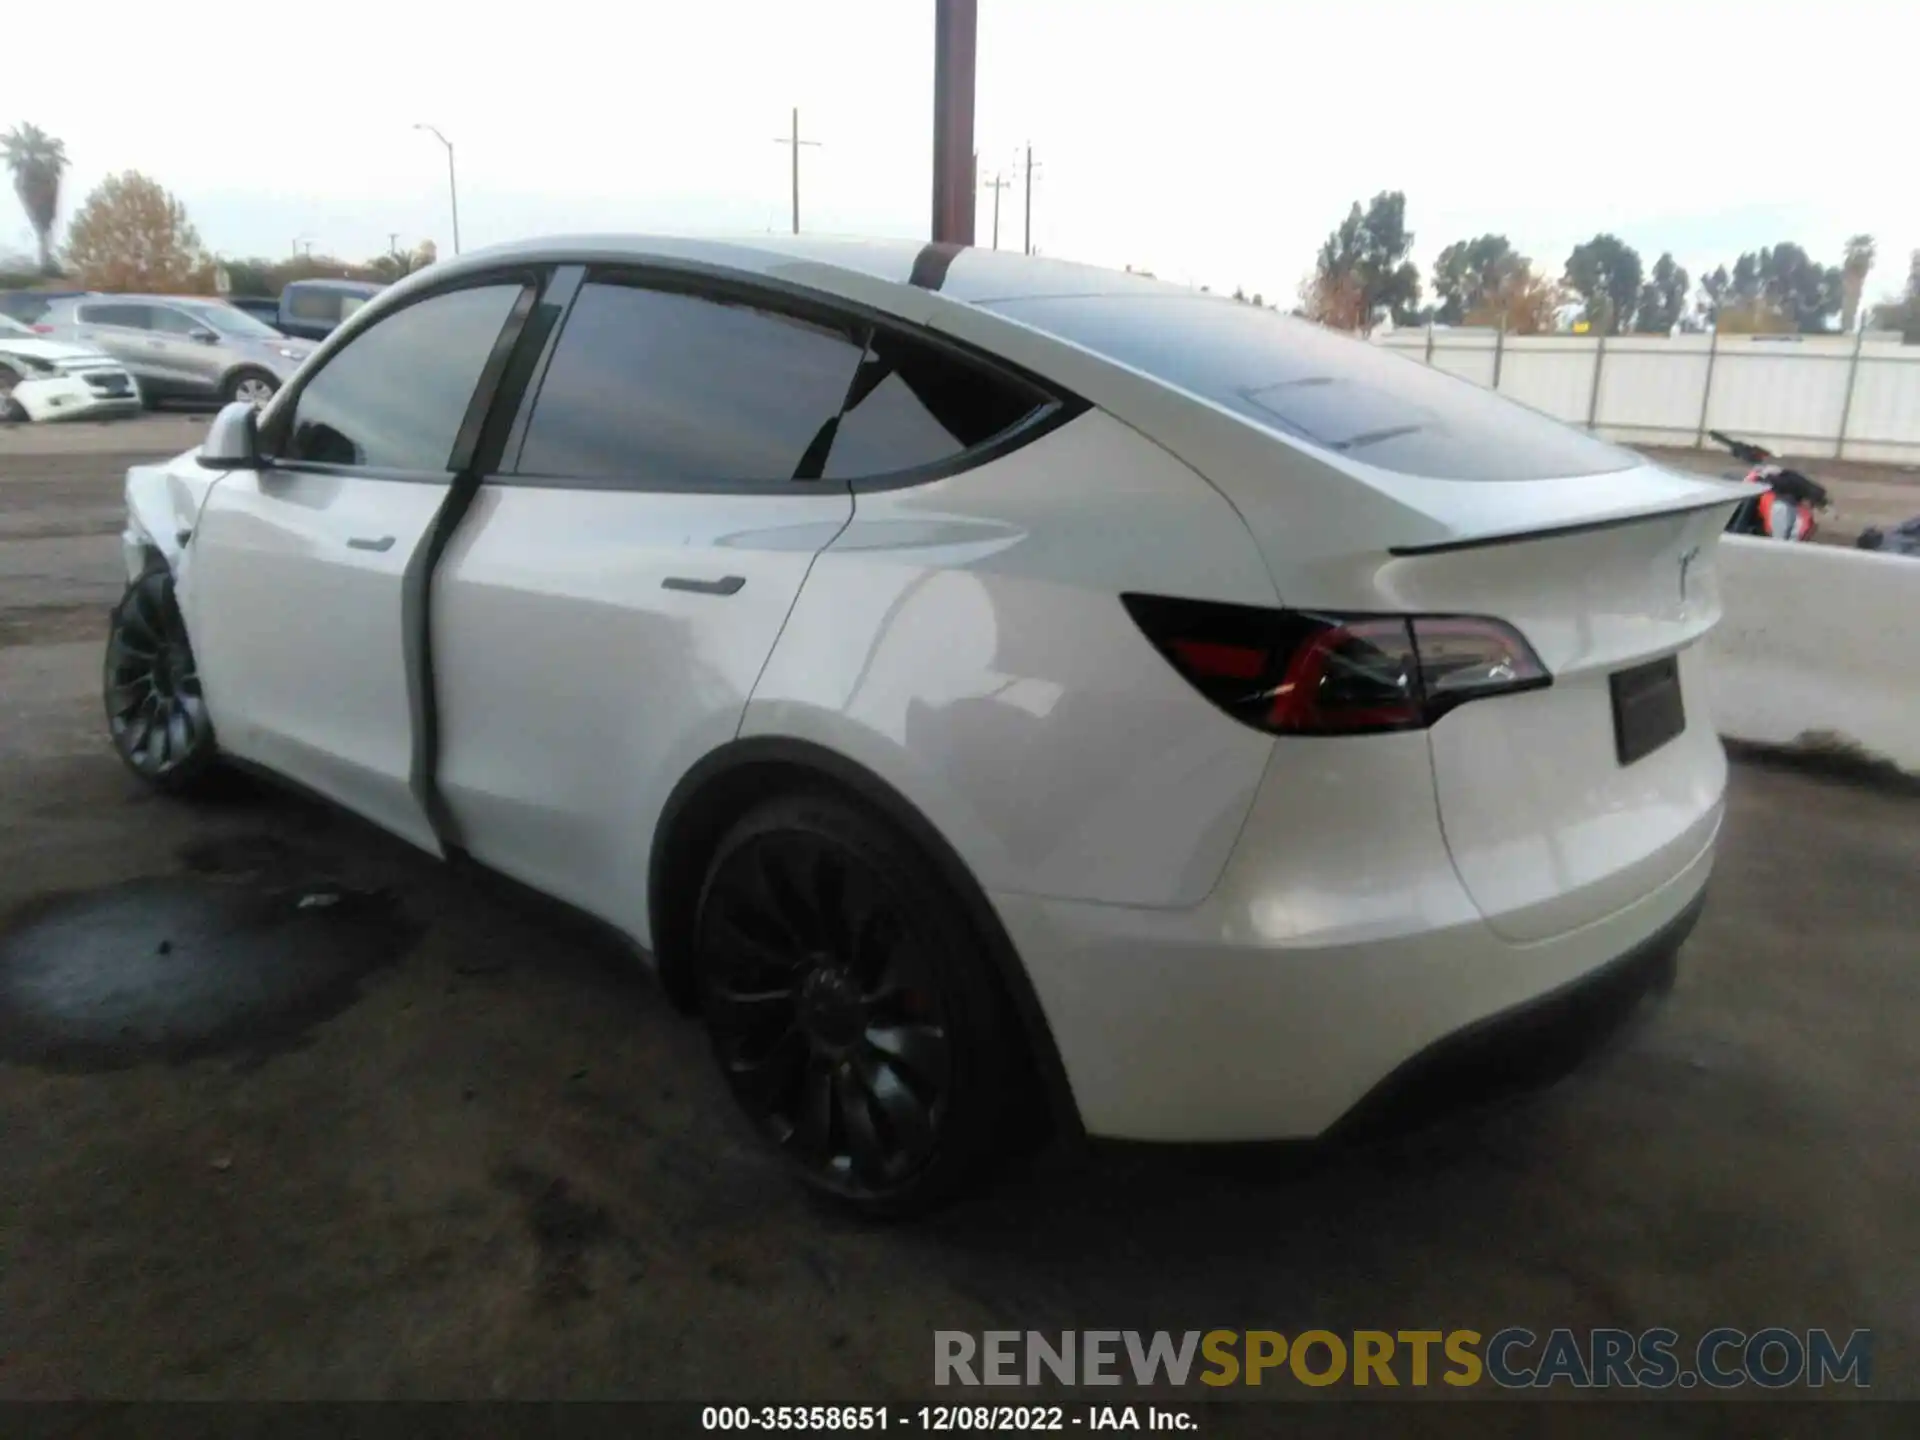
(180, 966)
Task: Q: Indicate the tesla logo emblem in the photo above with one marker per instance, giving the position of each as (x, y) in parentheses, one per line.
(1686, 563)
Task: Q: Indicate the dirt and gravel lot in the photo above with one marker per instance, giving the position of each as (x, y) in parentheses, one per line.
(448, 1143)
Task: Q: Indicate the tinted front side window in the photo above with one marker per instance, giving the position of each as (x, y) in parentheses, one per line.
(172, 322)
(666, 388)
(1329, 390)
(395, 397)
(915, 404)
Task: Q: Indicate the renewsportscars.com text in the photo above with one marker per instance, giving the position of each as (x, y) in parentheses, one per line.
(1514, 1358)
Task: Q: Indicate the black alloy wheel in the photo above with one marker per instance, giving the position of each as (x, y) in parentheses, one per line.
(849, 1005)
(155, 710)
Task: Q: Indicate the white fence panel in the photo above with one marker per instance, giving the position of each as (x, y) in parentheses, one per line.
(1801, 395)
(1550, 374)
(1651, 389)
(1787, 403)
(1886, 405)
(1469, 362)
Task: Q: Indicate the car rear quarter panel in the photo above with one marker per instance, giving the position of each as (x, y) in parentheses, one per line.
(964, 640)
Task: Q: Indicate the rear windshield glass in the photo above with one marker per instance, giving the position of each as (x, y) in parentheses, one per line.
(1330, 390)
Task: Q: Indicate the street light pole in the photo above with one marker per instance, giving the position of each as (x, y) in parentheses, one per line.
(453, 189)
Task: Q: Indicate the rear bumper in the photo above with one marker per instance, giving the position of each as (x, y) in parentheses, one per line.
(1531, 1041)
(1272, 1011)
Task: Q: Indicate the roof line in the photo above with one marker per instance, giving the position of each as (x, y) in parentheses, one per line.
(1100, 295)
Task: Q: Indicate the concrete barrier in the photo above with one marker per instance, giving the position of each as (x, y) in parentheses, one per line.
(1819, 650)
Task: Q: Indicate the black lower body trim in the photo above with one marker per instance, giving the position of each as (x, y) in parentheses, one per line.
(1523, 1048)
(1528, 1046)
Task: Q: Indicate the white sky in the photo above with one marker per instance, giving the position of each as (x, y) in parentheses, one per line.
(1211, 141)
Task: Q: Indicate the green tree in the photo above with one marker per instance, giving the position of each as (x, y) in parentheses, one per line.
(1778, 290)
(1714, 286)
(1363, 271)
(1854, 270)
(133, 235)
(1663, 299)
(1605, 273)
(1470, 274)
(1521, 302)
(37, 161)
(252, 276)
(1807, 294)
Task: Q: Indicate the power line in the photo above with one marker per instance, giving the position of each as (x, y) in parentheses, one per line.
(796, 142)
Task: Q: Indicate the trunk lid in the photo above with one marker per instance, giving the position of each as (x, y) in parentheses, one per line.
(1563, 805)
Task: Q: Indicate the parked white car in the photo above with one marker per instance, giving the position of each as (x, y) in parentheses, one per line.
(43, 379)
(983, 685)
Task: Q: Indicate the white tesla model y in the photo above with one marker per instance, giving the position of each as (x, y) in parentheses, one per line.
(977, 682)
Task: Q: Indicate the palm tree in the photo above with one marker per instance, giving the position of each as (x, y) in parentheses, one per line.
(1853, 279)
(37, 161)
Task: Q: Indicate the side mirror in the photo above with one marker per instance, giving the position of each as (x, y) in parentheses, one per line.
(205, 337)
(233, 438)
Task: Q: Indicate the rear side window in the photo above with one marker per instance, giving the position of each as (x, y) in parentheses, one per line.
(1329, 390)
(915, 404)
(134, 317)
(394, 398)
(664, 388)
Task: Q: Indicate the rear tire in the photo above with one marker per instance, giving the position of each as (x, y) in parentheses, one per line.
(851, 1008)
(156, 713)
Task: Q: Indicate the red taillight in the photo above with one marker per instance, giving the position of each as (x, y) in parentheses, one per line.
(42, 329)
(1293, 672)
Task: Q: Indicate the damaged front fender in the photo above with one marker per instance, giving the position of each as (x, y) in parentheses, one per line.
(163, 505)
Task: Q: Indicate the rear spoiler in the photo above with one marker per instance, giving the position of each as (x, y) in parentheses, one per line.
(1579, 527)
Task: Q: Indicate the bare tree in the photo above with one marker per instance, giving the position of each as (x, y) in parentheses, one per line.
(133, 235)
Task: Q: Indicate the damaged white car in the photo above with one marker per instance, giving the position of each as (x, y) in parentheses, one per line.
(43, 379)
(993, 692)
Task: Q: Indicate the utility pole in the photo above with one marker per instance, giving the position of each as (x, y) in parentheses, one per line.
(997, 184)
(955, 33)
(796, 142)
(1028, 213)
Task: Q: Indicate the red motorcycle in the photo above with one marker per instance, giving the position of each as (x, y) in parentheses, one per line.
(1786, 505)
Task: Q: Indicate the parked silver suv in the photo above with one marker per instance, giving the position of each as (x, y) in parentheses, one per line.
(180, 347)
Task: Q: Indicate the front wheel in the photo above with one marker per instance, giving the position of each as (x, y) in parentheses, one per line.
(12, 412)
(256, 387)
(850, 1005)
(156, 713)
